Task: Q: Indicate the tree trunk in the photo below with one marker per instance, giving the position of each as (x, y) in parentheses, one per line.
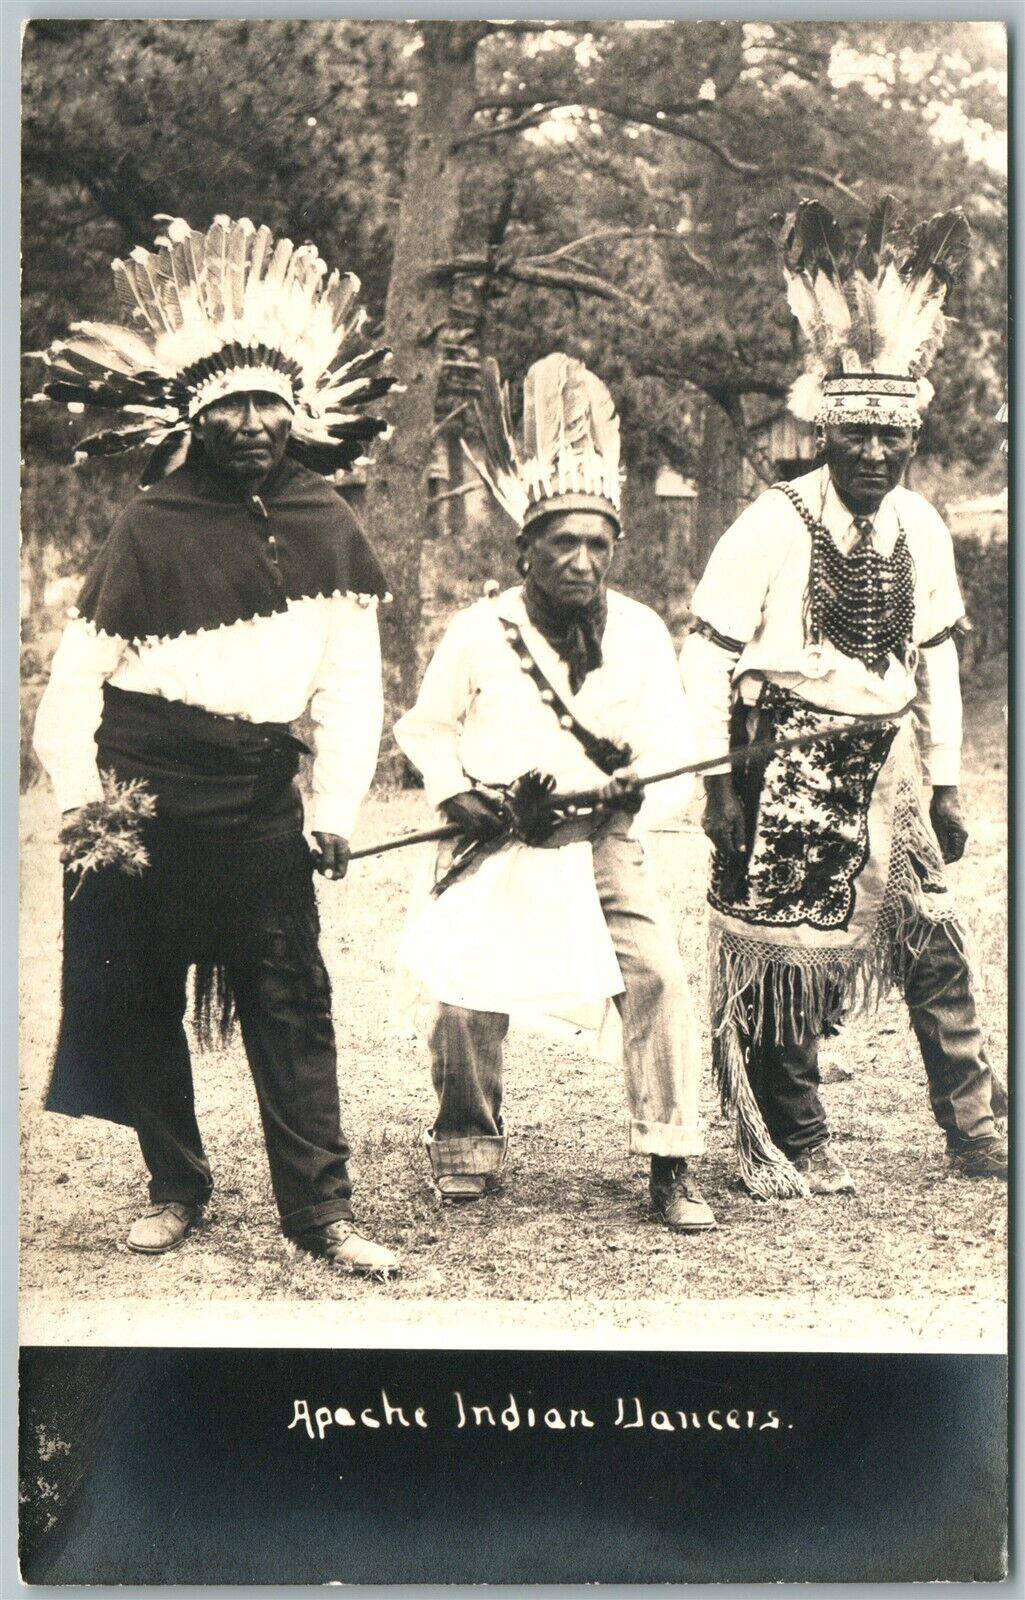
(416, 312)
(716, 202)
(718, 483)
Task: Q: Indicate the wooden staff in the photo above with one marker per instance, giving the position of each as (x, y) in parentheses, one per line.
(586, 797)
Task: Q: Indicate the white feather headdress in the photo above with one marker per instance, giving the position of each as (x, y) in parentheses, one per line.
(216, 313)
(570, 455)
(873, 316)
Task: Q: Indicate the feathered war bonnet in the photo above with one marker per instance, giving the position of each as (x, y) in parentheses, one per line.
(229, 311)
(569, 459)
(872, 316)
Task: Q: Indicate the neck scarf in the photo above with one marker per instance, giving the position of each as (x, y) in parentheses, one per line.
(574, 632)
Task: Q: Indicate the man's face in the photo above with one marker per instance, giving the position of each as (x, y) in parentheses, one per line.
(570, 556)
(866, 461)
(244, 435)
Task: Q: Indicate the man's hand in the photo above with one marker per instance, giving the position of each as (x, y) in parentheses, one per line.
(623, 792)
(331, 858)
(947, 819)
(476, 815)
(723, 816)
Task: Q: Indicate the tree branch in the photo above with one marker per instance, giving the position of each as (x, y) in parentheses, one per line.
(577, 95)
(627, 111)
(528, 119)
(452, 494)
(439, 427)
(627, 233)
(526, 269)
(816, 175)
(552, 278)
(721, 389)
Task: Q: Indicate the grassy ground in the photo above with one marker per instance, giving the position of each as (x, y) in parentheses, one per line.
(571, 1229)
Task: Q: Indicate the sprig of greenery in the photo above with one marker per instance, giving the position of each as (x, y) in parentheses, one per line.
(107, 832)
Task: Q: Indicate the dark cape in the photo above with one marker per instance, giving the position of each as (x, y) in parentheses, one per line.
(193, 552)
(230, 874)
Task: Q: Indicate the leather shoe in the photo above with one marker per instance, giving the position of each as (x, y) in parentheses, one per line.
(981, 1158)
(163, 1227)
(677, 1198)
(343, 1245)
(823, 1171)
(459, 1188)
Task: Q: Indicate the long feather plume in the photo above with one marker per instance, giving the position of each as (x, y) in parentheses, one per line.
(500, 466)
(141, 268)
(215, 264)
(570, 437)
(542, 420)
(202, 311)
(878, 309)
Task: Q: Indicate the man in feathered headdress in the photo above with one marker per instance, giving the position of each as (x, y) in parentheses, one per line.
(231, 595)
(835, 597)
(559, 683)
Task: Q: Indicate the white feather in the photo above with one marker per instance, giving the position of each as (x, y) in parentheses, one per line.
(805, 397)
(918, 325)
(199, 292)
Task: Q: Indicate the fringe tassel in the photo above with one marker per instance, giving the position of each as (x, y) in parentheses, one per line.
(764, 1170)
(753, 982)
(214, 1010)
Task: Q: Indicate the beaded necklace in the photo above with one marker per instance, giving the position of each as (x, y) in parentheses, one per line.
(863, 603)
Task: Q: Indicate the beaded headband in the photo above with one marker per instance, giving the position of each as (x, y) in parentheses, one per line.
(876, 398)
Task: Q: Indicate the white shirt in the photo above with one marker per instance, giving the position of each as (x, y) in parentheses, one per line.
(478, 715)
(754, 592)
(321, 652)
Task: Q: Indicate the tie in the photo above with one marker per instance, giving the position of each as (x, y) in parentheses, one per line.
(864, 529)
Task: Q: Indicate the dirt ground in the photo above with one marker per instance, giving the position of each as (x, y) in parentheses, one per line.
(569, 1245)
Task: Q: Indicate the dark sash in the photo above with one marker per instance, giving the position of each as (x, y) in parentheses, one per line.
(209, 772)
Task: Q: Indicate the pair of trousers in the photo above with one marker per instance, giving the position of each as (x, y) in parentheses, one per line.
(227, 886)
(783, 1064)
(284, 1012)
(661, 1054)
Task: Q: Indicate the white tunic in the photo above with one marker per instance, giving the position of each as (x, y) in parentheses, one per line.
(754, 592)
(479, 716)
(321, 652)
(525, 931)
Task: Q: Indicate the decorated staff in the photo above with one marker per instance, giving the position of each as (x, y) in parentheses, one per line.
(231, 594)
(837, 595)
(530, 809)
(560, 675)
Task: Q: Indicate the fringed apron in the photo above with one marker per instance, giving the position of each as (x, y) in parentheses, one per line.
(842, 876)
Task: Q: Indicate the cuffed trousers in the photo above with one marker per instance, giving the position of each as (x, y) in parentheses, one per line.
(661, 1048)
(784, 1070)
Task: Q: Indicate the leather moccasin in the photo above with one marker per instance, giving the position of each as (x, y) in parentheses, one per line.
(823, 1171)
(163, 1227)
(679, 1201)
(344, 1246)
